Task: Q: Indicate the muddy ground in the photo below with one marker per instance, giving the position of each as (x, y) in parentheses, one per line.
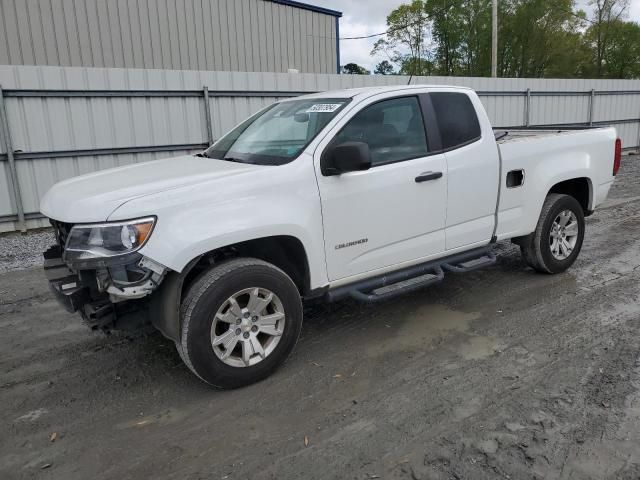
(501, 373)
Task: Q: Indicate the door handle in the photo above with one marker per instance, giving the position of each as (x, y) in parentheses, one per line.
(426, 176)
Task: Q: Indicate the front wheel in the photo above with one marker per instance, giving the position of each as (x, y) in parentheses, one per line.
(557, 240)
(240, 321)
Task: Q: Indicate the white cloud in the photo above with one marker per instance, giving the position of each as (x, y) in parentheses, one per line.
(359, 51)
(633, 14)
(359, 18)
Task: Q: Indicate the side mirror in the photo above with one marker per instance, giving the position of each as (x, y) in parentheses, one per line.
(345, 157)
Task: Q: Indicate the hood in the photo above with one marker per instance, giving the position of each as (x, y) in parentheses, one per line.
(93, 197)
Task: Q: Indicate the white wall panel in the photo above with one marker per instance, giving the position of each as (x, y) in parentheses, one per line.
(243, 35)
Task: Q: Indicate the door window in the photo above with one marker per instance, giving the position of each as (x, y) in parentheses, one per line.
(393, 129)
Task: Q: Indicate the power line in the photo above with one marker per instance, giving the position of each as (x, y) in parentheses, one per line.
(401, 27)
(391, 30)
(364, 36)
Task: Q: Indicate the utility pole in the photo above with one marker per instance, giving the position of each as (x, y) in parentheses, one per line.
(494, 39)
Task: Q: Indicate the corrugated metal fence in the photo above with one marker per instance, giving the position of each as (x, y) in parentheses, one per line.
(58, 122)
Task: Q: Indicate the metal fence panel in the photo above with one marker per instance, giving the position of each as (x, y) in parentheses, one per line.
(565, 109)
(150, 114)
(7, 206)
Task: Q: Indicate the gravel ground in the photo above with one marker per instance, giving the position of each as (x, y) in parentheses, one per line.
(18, 251)
(496, 374)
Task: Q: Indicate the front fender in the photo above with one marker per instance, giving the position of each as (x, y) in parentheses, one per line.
(272, 201)
(164, 304)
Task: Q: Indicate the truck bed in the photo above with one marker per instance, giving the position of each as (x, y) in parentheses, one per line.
(536, 159)
(505, 135)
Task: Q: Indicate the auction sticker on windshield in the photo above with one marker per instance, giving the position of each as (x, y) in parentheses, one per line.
(324, 108)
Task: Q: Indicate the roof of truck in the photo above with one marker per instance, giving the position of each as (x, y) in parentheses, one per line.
(369, 91)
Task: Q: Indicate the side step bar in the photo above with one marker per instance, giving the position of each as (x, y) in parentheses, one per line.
(391, 285)
(390, 291)
(470, 265)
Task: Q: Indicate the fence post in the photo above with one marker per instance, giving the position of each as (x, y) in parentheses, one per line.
(527, 108)
(5, 133)
(591, 103)
(207, 114)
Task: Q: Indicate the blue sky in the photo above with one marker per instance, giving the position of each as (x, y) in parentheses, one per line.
(365, 17)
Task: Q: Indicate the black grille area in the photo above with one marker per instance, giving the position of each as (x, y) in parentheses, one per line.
(61, 231)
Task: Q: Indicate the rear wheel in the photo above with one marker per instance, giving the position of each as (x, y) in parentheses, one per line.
(557, 240)
(240, 321)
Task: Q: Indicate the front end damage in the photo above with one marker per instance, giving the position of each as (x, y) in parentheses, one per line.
(109, 293)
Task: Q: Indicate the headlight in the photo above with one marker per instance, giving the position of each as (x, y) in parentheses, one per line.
(105, 240)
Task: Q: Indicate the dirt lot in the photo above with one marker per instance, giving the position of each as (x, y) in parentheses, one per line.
(502, 373)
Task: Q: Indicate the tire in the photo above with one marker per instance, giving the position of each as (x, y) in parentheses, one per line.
(537, 249)
(208, 309)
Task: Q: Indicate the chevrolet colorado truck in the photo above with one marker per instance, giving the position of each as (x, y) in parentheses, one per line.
(365, 193)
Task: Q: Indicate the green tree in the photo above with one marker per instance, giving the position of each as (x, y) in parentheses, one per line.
(416, 66)
(462, 31)
(475, 20)
(606, 15)
(447, 31)
(621, 57)
(354, 69)
(531, 33)
(384, 68)
(537, 38)
(408, 28)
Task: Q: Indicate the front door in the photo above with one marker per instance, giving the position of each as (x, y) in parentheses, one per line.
(394, 212)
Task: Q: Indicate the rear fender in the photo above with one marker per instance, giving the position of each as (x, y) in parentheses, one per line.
(547, 163)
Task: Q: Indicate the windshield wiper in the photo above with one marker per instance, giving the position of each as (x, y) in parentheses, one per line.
(229, 159)
(237, 160)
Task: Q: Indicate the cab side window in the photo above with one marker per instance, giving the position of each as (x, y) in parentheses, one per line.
(393, 129)
(457, 119)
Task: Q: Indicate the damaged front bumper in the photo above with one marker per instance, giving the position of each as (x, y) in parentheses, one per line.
(108, 296)
(66, 285)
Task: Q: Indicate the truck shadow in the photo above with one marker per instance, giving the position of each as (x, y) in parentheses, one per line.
(338, 336)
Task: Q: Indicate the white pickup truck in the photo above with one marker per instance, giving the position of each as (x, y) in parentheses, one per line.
(365, 193)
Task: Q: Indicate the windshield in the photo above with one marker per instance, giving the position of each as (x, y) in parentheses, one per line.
(277, 134)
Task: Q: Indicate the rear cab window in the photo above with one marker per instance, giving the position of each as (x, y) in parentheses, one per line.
(456, 118)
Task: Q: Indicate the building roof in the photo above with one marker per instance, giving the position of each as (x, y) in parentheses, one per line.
(306, 6)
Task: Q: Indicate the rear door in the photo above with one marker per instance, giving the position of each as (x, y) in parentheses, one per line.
(392, 213)
(472, 164)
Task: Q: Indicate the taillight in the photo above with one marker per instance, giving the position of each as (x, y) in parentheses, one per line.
(617, 157)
